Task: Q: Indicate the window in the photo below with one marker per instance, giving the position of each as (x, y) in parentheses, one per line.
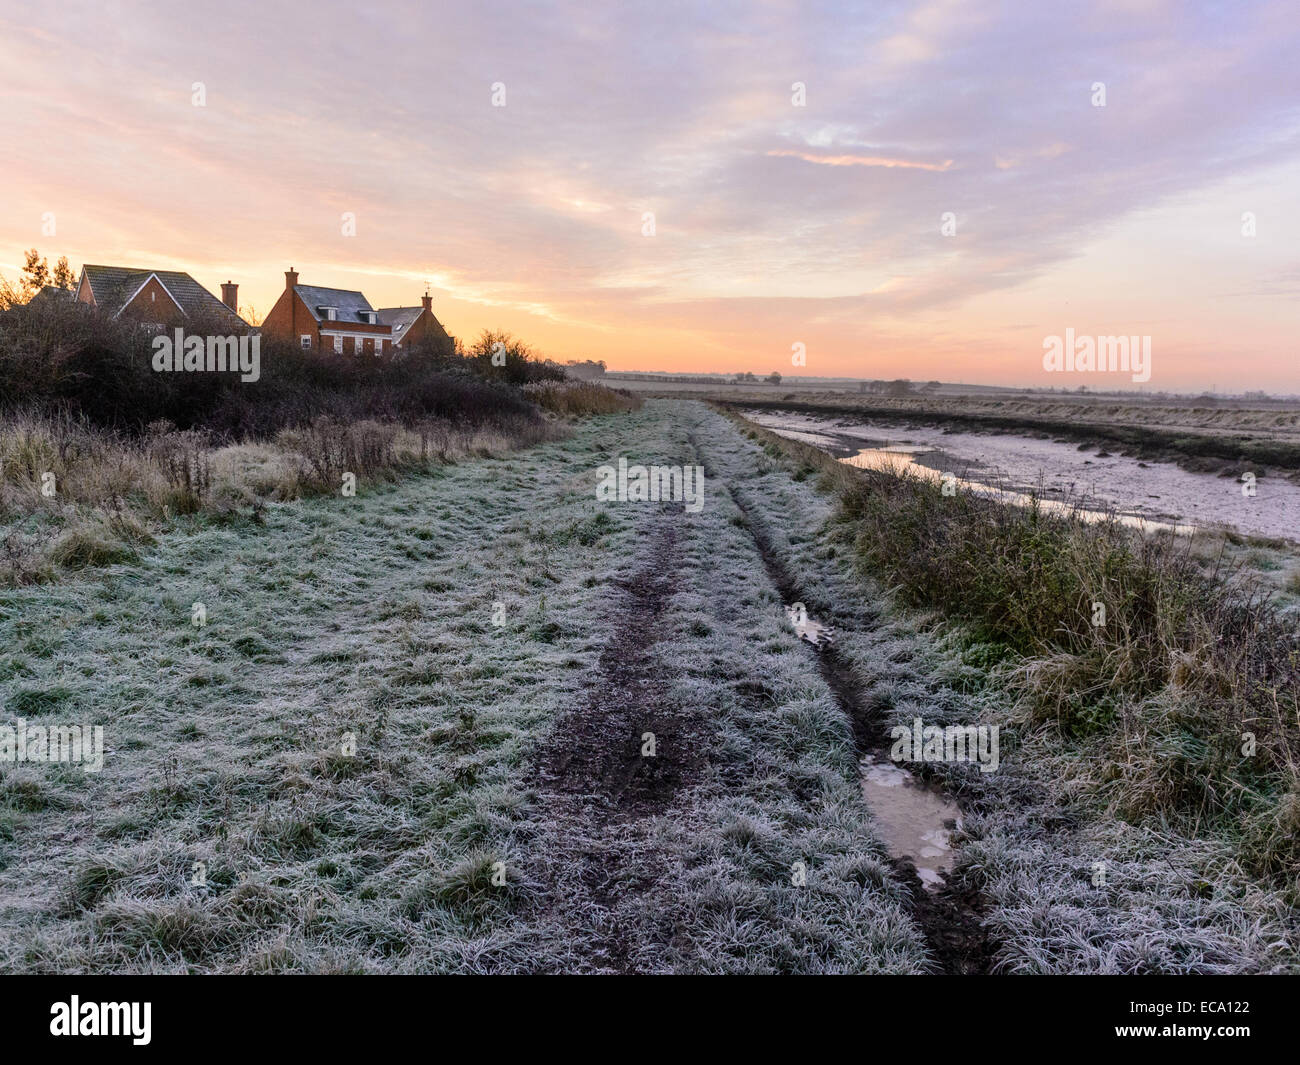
(338, 345)
(305, 341)
(379, 345)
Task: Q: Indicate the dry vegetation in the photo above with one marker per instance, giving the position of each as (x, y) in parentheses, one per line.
(98, 452)
(113, 493)
(576, 398)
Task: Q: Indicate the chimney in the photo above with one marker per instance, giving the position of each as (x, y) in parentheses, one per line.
(427, 300)
(230, 296)
(290, 278)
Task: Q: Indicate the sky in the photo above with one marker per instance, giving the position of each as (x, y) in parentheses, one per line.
(926, 190)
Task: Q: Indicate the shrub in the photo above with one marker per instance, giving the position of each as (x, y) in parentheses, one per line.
(500, 356)
(183, 459)
(329, 448)
(91, 544)
(61, 358)
(577, 398)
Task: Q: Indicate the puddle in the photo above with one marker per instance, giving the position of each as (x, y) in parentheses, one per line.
(914, 822)
(807, 627)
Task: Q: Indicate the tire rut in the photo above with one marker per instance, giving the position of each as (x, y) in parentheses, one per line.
(597, 787)
(951, 918)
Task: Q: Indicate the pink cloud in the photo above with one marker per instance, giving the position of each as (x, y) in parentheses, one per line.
(859, 160)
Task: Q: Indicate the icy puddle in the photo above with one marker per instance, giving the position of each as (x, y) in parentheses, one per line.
(807, 628)
(914, 822)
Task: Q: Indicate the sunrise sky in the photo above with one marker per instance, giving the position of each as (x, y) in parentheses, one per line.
(775, 224)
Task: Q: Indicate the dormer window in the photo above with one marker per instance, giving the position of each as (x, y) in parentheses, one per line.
(331, 313)
(367, 316)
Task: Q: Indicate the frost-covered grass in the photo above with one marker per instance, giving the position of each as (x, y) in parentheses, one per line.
(781, 793)
(373, 616)
(370, 615)
(74, 495)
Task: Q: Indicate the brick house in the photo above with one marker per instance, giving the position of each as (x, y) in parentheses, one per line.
(335, 320)
(342, 321)
(158, 297)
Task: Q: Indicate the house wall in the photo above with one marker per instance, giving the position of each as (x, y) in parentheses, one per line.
(428, 326)
(289, 319)
(358, 338)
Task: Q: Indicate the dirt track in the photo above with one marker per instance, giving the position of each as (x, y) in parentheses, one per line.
(594, 775)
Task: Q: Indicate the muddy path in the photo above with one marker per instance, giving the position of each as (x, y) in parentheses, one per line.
(615, 761)
(596, 749)
(950, 918)
(603, 799)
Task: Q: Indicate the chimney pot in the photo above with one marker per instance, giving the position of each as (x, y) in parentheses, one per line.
(230, 295)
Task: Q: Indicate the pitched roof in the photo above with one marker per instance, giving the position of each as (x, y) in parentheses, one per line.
(113, 287)
(347, 304)
(52, 292)
(400, 318)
